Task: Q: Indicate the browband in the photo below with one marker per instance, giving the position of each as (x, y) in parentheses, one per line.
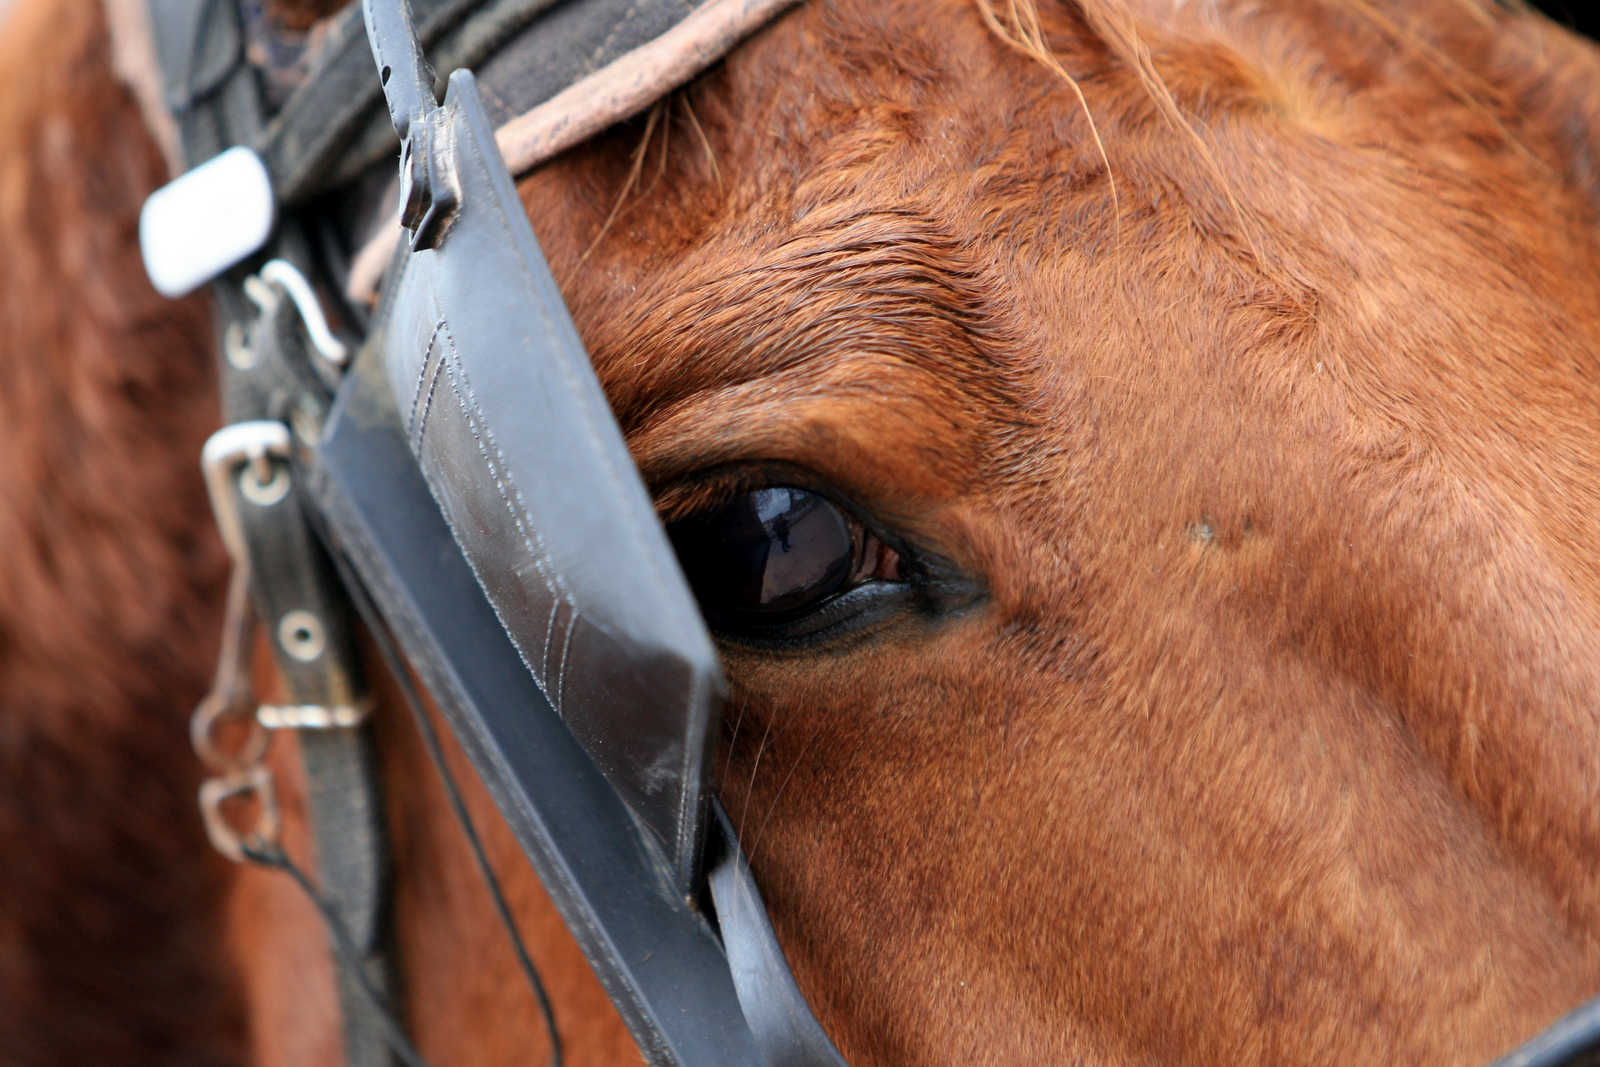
(552, 74)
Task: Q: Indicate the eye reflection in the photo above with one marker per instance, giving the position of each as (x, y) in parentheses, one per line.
(767, 555)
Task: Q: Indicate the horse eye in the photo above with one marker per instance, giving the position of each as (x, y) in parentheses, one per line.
(768, 556)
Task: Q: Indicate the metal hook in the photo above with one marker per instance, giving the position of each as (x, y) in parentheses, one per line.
(225, 837)
(288, 280)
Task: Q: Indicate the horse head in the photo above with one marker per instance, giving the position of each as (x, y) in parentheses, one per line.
(1138, 461)
(1200, 656)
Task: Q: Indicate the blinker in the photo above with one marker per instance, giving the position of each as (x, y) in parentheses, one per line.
(512, 432)
(204, 221)
(602, 770)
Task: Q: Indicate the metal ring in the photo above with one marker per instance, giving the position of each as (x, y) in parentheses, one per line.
(264, 494)
(216, 709)
(225, 837)
(224, 453)
(300, 634)
(239, 355)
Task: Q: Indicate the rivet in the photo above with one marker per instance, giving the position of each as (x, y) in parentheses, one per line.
(300, 634)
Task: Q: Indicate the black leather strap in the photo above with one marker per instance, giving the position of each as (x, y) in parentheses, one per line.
(316, 126)
(654, 952)
(210, 89)
(215, 97)
(524, 52)
(519, 448)
(1574, 1041)
(307, 621)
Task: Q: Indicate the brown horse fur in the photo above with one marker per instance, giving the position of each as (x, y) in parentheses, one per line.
(1263, 412)
(109, 580)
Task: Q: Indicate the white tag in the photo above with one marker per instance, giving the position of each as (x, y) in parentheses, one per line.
(203, 222)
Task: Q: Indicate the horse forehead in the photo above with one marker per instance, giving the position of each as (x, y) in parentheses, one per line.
(993, 144)
(977, 230)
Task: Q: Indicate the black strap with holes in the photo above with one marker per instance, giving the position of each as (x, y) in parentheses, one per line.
(215, 97)
(306, 618)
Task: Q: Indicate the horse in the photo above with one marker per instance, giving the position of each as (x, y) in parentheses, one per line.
(1201, 660)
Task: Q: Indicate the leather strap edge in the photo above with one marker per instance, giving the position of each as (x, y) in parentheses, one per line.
(615, 92)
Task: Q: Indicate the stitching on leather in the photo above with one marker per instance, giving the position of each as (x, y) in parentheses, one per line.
(420, 419)
(422, 374)
(499, 470)
(566, 650)
(616, 485)
(507, 489)
(422, 426)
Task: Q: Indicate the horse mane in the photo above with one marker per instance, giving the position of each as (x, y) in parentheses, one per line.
(1124, 31)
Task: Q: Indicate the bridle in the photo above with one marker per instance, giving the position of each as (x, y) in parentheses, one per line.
(448, 477)
(447, 468)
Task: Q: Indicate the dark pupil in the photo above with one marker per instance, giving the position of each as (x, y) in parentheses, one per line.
(764, 555)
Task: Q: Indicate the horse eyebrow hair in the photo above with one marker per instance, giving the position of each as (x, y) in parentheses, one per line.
(889, 283)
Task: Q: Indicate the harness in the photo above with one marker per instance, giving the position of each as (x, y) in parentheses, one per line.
(446, 468)
(454, 477)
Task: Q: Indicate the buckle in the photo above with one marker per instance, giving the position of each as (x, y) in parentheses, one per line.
(264, 447)
(250, 460)
(430, 188)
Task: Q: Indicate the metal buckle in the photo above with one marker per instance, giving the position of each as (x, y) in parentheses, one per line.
(430, 188)
(252, 460)
(256, 444)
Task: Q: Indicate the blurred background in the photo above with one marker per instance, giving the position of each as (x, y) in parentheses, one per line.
(1580, 15)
